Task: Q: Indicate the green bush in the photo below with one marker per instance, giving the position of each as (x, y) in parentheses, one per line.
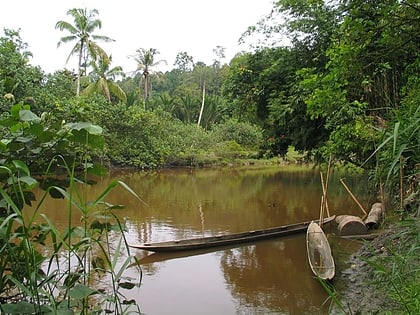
(242, 133)
(230, 149)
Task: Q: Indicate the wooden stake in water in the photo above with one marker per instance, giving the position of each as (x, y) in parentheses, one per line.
(354, 198)
(321, 212)
(324, 194)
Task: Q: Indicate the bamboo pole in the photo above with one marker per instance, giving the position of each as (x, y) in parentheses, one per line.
(327, 183)
(354, 198)
(324, 194)
(321, 212)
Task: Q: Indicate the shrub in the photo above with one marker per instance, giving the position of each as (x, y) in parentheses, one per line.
(242, 133)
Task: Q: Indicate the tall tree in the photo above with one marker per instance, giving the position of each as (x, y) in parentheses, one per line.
(145, 59)
(85, 23)
(19, 81)
(184, 62)
(13, 59)
(219, 51)
(360, 86)
(103, 80)
(241, 89)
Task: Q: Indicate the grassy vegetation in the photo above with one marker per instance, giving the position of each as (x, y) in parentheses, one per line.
(396, 268)
(48, 271)
(383, 276)
(43, 269)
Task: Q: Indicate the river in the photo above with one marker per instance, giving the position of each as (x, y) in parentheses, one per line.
(267, 277)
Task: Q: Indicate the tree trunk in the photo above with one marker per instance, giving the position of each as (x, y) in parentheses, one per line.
(79, 70)
(202, 104)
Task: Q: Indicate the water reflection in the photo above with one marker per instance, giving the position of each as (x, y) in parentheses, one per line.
(274, 269)
(263, 278)
(268, 277)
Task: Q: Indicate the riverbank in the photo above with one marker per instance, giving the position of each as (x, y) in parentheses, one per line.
(383, 276)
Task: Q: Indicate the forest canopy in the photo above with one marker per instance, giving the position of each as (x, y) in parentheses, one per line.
(346, 86)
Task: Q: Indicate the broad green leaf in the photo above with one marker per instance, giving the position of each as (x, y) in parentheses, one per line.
(16, 128)
(36, 129)
(5, 170)
(81, 291)
(79, 136)
(96, 141)
(46, 136)
(28, 180)
(15, 110)
(21, 166)
(89, 127)
(84, 137)
(27, 115)
(18, 308)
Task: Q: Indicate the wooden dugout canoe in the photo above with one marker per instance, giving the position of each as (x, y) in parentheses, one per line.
(320, 258)
(227, 239)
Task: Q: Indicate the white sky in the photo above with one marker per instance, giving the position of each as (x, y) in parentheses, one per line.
(170, 26)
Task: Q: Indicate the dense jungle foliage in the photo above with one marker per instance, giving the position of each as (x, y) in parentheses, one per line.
(347, 86)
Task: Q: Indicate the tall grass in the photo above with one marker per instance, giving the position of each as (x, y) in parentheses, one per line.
(397, 272)
(68, 279)
(392, 280)
(395, 269)
(398, 154)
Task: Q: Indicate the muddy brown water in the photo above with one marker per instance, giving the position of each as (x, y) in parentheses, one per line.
(266, 277)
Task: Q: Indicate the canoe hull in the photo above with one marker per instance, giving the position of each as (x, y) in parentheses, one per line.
(320, 258)
(229, 239)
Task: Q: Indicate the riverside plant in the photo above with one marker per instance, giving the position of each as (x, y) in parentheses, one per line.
(45, 270)
(394, 274)
(397, 271)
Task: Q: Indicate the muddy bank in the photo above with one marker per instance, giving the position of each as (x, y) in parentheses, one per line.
(360, 286)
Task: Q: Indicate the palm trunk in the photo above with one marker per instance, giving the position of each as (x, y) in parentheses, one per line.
(146, 90)
(146, 83)
(79, 69)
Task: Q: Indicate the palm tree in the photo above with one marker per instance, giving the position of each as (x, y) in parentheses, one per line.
(84, 24)
(145, 59)
(104, 80)
(188, 109)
